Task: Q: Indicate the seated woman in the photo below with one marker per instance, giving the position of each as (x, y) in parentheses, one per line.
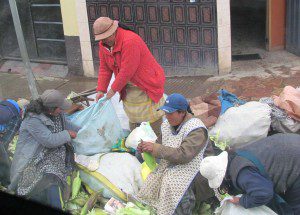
(266, 172)
(44, 155)
(175, 184)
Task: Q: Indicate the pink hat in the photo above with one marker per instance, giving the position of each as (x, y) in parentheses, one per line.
(104, 27)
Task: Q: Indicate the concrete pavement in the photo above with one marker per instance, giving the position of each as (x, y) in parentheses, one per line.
(250, 85)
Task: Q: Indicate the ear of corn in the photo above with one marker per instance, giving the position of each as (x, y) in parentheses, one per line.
(76, 186)
(91, 202)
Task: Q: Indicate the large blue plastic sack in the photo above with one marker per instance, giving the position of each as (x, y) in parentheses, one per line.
(100, 128)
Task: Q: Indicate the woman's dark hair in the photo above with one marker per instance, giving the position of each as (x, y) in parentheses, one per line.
(189, 110)
(125, 27)
(37, 106)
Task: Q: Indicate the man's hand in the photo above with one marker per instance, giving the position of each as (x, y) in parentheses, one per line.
(99, 95)
(110, 94)
(235, 200)
(72, 134)
(146, 147)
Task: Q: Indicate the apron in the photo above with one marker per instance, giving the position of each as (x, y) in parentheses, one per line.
(139, 107)
(165, 187)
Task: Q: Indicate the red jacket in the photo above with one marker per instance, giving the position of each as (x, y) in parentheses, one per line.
(130, 61)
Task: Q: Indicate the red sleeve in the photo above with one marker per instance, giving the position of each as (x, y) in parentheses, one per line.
(130, 60)
(104, 74)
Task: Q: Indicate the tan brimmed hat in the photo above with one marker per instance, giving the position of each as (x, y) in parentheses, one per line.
(104, 27)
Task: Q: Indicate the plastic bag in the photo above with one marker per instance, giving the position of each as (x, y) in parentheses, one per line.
(100, 128)
(228, 100)
(143, 132)
(118, 173)
(289, 100)
(228, 208)
(243, 124)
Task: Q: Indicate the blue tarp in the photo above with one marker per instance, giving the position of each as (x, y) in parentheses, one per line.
(228, 100)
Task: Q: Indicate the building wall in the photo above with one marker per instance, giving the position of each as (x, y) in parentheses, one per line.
(72, 40)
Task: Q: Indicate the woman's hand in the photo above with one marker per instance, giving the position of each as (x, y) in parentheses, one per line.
(72, 134)
(235, 200)
(110, 94)
(146, 147)
(99, 95)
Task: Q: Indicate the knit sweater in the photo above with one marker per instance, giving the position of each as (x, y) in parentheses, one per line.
(279, 154)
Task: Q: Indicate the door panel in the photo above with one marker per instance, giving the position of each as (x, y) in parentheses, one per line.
(42, 28)
(48, 29)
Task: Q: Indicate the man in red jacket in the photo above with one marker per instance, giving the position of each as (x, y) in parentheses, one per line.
(138, 77)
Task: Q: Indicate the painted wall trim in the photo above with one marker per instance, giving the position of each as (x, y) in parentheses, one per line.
(71, 34)
(85, 41)
(68, 12)
(224, 36)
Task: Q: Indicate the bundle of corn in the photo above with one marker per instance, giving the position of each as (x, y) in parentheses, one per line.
(84, 203)
(97, 211)
(220, 144)
(3, 189)
(81, 201)
(135, 209)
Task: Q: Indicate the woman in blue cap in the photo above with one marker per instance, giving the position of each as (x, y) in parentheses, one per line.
(176, 183)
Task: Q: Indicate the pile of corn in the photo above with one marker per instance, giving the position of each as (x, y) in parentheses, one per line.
(82, 203)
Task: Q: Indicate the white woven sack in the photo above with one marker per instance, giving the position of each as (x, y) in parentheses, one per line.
(122, 169)
(243, 124)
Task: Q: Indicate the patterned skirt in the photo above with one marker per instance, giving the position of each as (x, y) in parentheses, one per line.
(139, 107)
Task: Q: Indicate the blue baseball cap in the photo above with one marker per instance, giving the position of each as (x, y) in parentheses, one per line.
(175, 102)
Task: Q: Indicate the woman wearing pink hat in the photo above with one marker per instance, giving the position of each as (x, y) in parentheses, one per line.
(138, 77)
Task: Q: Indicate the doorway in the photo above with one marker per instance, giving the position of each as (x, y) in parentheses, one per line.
(248, 28)
(42, 27)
